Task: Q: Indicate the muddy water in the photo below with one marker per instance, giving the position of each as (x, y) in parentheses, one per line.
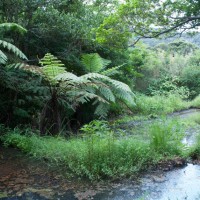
(22, 178)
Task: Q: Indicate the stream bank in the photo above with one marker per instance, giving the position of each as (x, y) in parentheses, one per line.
(22, 177)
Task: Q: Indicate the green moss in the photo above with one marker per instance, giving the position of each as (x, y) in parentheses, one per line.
(3, 195)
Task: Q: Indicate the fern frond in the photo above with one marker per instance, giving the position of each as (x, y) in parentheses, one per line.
(3, 58)
(102, 110)
(107, 93)
(79, 96)
(13, 49)
(15, 66)
(67, 76)
(112, 71)
(115, 83)
(120, 85)
(51, 67)
(120, 90)
(13, 27)
(93, 62)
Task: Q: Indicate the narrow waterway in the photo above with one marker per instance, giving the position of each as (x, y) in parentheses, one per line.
(23, 178)
(179, 184)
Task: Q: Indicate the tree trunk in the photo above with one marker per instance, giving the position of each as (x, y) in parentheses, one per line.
(50, 119)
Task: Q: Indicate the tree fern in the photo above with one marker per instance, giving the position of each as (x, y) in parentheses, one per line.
(94, 63)
(12, 27)
(3, 58)
(75, 90)
(8, 46)
(108, 89)
(51, 67)
(112, 71)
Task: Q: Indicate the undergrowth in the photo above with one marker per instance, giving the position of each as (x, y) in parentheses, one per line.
(196, 102)
(159, 104)
(98, 152)
(194, 152)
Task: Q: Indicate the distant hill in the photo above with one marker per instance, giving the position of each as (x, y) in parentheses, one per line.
(195, 39)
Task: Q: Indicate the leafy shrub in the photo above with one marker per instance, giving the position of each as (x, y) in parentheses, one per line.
(167, 86)
(191, 78)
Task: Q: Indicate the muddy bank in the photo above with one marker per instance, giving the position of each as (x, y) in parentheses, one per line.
(23, 177)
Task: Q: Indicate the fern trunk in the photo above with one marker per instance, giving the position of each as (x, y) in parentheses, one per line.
(50, 119)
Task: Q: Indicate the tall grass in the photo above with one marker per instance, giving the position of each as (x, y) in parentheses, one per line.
(195, 102)
(159, 104)
(98, 154)
(166, 137)
(93, 157)
(195, 150)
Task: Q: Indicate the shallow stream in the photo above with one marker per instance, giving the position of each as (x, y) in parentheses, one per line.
(23, 178)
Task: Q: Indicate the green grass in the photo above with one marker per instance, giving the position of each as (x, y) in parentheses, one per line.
(196, 102)
(159, 105)
(193, 119)
(166, 136)
(195, 149)
(100, 154)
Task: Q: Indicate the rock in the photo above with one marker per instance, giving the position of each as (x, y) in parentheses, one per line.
(179, 162)
(47, 193)
(158, 179)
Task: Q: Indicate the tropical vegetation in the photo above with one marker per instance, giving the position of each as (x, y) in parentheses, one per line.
(72, 72)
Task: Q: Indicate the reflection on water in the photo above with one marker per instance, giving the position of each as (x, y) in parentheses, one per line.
(180, 184)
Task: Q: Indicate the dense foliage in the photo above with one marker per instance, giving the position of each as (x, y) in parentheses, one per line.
(66, 63)
(88, 38)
